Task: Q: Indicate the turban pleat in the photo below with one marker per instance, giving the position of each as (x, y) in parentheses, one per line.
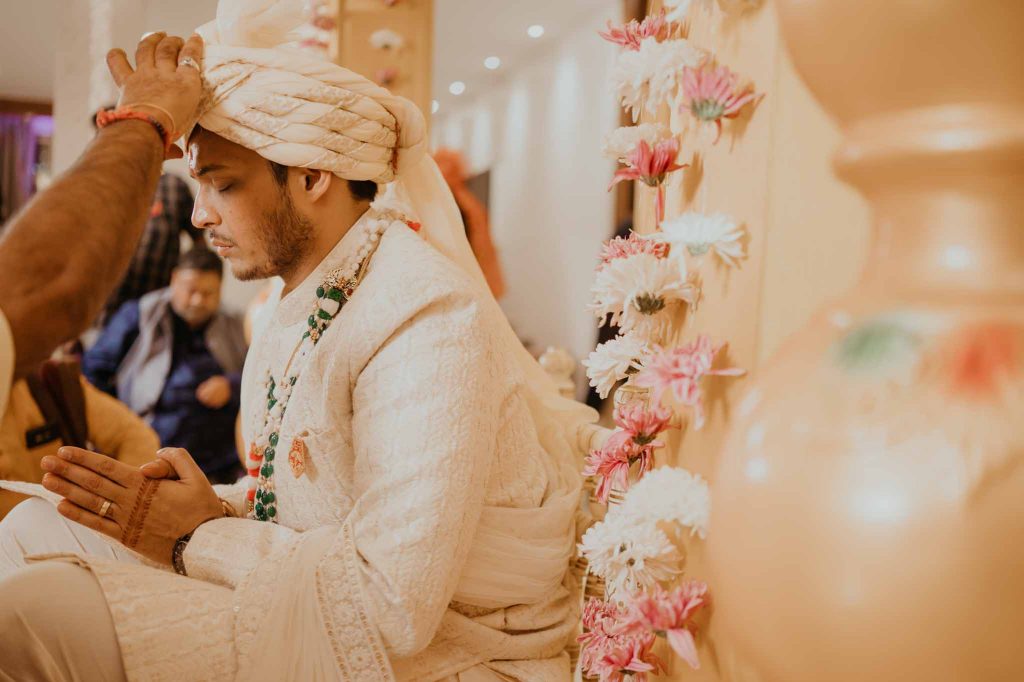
(296, 109)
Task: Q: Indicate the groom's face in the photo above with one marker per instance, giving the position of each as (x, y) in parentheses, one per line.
(252, 221)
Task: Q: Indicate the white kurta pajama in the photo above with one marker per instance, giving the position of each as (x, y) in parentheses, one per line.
(449, 528)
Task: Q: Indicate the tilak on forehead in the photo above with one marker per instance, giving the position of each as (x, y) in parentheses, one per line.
(266, 94)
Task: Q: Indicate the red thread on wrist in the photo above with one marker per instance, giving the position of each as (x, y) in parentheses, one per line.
(105, 117)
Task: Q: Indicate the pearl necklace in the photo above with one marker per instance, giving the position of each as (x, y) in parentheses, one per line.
(332, 294)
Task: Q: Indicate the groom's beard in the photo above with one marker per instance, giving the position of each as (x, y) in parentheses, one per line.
(285, 236)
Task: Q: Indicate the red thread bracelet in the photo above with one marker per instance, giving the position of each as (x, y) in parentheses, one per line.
(107, 116)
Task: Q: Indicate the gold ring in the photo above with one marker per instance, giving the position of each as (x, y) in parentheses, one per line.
(188, 61)
(105, 508)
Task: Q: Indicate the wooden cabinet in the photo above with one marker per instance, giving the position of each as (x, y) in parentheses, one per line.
(412, 64)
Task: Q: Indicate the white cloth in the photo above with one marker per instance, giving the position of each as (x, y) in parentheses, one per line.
(6, 361)
(34, 528)
(65, 636)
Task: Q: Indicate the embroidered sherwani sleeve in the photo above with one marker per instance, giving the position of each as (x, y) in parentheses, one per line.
(424, 422)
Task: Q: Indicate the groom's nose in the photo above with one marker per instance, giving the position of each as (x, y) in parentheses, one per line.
(204, 216)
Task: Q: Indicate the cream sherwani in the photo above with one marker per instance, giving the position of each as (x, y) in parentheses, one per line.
(425, 469)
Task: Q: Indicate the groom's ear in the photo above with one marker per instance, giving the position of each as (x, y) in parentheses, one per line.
(315, 183)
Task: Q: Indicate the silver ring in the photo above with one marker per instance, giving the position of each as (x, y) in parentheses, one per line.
(188, 61)
(105, 508)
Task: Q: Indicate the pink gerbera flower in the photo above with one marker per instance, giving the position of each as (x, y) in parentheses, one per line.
(601, 619)
(602, 622)
(620, 247)
(608, 651)
(681, 371)
(611, 467)
(650, 165)
(632, 34)
(639, 425)
(626, 659)
(633, 443)
(712, 93)
(668, 614)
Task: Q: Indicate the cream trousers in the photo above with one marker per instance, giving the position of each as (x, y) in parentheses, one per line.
(54, 619)
(54, 622)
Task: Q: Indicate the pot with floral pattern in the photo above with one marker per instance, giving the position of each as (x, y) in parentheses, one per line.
(870, 498)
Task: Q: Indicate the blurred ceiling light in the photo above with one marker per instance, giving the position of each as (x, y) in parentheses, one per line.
(535, 31)
(434, 106)
(492, 63)
(457, 88)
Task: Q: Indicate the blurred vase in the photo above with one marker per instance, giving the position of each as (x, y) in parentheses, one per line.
(869, 502)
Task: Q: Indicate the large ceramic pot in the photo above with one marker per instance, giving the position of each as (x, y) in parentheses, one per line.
(869, 504)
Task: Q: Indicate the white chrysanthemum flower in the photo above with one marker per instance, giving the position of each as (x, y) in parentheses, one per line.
(698, 233)
(670, 494)
(387, 39)
(621, 142)
(649, 77)
(612, 361)
(638, 292)
(629, 556)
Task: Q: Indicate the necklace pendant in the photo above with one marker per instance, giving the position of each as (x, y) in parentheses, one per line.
(297, 457)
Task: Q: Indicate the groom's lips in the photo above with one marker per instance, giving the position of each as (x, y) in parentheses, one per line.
(221, 246)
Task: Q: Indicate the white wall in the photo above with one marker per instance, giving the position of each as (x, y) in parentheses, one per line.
(540, 133)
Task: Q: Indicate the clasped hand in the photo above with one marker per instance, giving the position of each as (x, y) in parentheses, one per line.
(150, 508)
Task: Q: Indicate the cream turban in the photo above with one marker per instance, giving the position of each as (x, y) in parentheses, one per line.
(292, 108)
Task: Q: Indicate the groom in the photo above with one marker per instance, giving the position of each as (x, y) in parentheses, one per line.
(408, 512)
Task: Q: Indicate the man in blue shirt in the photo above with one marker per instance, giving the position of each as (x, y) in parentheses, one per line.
(175, 358)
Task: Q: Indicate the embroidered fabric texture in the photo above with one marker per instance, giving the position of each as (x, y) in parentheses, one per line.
(405, 327)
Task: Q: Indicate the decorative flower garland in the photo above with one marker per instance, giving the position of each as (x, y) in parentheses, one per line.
(387, 39)
(642, 284)
(321, 23)
(634, 551)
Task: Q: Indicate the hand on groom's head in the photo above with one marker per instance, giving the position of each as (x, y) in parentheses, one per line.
(165, 82)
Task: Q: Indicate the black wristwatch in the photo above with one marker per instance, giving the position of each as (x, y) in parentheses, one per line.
(178, 554)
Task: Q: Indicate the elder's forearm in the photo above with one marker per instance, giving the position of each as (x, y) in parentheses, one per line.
(64, 253)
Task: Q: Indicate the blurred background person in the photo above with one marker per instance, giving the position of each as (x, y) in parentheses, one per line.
(175, 358)
(474, 216)
(54, 406)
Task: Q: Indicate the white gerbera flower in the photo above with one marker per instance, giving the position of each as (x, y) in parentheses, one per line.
(670, 494)
(387, 39)
(612, 361)
(638, 292)
(621, 142)
(698, 233)
(648, 77)
(629, 556)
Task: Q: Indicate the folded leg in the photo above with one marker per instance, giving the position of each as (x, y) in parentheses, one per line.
(35, 527)
(56, 627)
